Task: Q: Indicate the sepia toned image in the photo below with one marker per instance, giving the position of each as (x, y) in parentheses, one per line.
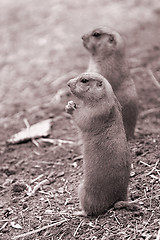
(80, 120)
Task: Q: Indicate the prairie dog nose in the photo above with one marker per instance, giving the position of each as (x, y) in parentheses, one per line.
(68, 83)
(84, 37)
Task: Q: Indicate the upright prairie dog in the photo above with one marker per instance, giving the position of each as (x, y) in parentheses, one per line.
(105, 152)
(107, 51)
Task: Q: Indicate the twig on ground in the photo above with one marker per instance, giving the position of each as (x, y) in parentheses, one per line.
(38, 230)
(80, 157)
(151, 197)
(146, 164)
(66, 187)
(38, 185)
(116, 219)
(50, 194)
(57, 141)
(142, 199)
(155, 177)
(35, 142)
(145, 225)
(3, 226)
(29, 188)
(78, 228)
(149, 111)
(26, 123)
(153, 169)
(21, 213)
(50, 179)
(37, 178)
(61, 236)
(156, 83)
(158, 235)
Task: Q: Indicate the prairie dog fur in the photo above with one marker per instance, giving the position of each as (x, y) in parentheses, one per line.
(107, 57)
(106, 155)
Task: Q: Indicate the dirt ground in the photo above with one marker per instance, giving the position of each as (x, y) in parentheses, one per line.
(40, 50)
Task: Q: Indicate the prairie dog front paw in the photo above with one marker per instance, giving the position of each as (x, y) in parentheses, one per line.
(70, 107)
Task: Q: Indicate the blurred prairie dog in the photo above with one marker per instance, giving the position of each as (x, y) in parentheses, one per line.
(107, 57)
(105, 152)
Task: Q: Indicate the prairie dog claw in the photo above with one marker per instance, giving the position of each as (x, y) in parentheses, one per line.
(70, 107)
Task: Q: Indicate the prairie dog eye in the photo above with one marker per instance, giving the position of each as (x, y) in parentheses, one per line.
(84, 80)
(96, 34)
(111, 38)
(100, 84)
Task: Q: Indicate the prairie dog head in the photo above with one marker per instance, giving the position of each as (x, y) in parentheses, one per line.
(91, 88)
(103, 42)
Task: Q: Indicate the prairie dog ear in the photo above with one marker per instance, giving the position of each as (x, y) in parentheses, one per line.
(111, 38)
(99, 83)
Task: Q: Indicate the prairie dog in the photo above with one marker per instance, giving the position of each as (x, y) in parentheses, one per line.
(107, 57)
(106, 155)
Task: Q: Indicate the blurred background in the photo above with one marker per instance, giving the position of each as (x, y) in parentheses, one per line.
(41, 42)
